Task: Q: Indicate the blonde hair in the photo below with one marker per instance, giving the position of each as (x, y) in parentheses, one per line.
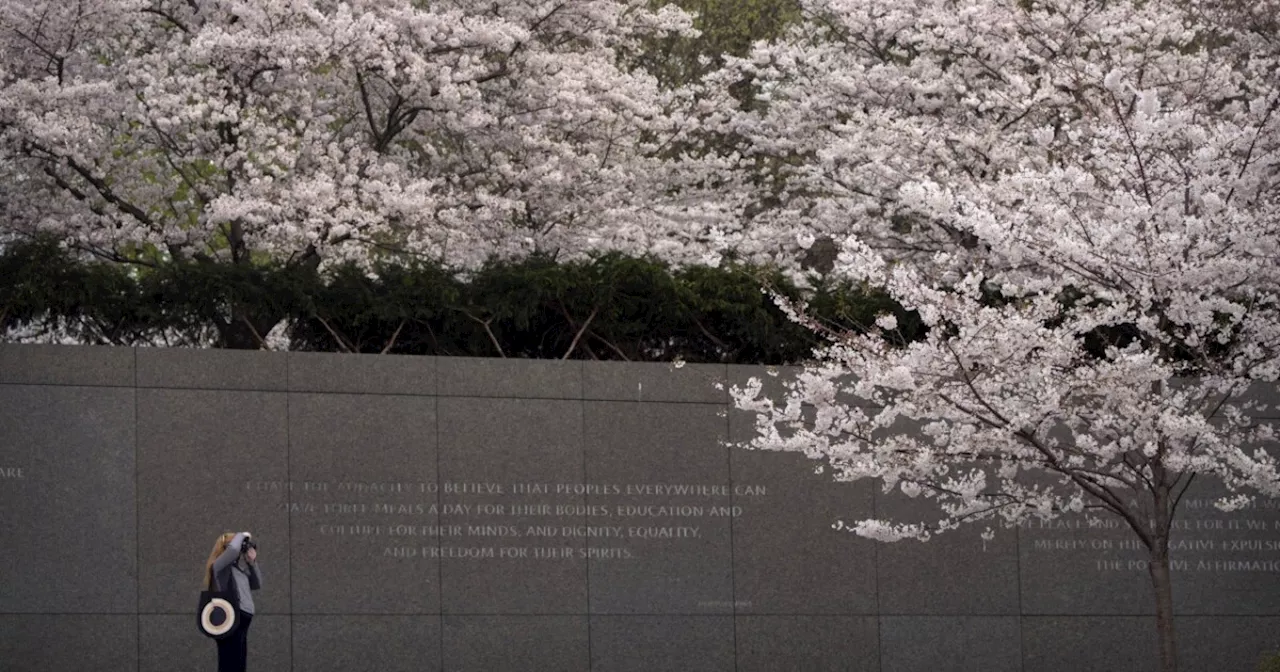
(219, 546)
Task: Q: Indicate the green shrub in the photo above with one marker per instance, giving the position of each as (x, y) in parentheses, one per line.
(609, 307)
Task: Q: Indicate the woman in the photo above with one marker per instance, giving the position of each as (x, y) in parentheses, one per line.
(230, 567)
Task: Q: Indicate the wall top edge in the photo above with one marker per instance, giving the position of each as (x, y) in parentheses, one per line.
(418, 375)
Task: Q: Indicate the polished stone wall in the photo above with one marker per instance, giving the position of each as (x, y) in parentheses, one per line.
(486, 514)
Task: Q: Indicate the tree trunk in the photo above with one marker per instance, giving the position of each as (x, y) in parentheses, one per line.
(1162, 582)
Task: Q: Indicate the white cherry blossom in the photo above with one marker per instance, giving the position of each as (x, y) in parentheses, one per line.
(1081, 200)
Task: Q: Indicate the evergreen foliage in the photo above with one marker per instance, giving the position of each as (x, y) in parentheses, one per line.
(610, 307)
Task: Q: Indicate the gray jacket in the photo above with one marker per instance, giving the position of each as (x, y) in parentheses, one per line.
(228, 570)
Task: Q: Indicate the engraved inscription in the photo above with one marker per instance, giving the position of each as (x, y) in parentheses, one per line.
(1244, 541)
(520, 521)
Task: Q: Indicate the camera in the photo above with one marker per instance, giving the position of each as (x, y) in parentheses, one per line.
(246, 545)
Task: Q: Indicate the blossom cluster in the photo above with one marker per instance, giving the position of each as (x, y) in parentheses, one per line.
(1081, 200)
(319, 130)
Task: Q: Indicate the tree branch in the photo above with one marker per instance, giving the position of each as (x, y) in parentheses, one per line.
(342, 343)
(262, 344)
(168, 17)
(1248, 156)
(611, 346)
(105, 191)
(395, 335)
(485, 323)
(577, 337)
(718, 343)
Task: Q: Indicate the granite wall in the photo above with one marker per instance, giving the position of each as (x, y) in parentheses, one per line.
(485, 514)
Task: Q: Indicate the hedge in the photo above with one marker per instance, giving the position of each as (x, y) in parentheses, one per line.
(610, 307)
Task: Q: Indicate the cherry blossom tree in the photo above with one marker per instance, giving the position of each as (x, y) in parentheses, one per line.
(1079, 199)
(306, 132)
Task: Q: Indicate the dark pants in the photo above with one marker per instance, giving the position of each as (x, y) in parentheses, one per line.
(234, 650)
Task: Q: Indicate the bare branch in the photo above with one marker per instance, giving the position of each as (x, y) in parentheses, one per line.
(611, 346)
(395, 335)
(342, 343)
(485, 323)
(262, 344)
(578, 336)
